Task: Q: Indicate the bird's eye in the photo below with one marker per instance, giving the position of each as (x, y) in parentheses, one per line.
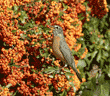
(56, 27)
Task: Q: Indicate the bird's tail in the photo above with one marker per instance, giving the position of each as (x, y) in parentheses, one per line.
(77, 73)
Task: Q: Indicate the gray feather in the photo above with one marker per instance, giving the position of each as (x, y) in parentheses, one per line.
(68, 56)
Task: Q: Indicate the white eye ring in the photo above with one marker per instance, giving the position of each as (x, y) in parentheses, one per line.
(56, 27)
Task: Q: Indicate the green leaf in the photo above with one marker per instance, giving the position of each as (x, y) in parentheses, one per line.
(97, 91)
(98, 56)
(87, 93)
(50, 87)
(94, 54)
(12, 62)
(51, 76)
(9, 8)
(93, 82)
(32, 86)
(81, 17)
(106, 45)
(92, 46)
(15, 8)
(67, 70)
(13, 31)
(23, 36)
(101, 79)
(33, 70)
(46, 29)
(65, 6)
(107, 70)
(23, 16)
(68, 74)
(14, 94)
(59, 89)
(87, 62)
(64, 93)
(41, 8)
(9, 85)
(81, 51)
(71, 83)
(101, 42)
(105, 89)
(81, 64)
(22, 20)
(105, 53)
(49, 70)
(45, 54)
(61, 13)
(38, 56)
(88, 55)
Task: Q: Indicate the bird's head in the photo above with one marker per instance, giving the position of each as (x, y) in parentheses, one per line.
(57, 30)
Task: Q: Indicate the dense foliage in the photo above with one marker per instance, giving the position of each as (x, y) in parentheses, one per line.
(27, 64)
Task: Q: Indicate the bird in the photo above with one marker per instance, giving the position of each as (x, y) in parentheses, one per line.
(61, 50)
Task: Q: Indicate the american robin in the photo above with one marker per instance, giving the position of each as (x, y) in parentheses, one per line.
(61, 49)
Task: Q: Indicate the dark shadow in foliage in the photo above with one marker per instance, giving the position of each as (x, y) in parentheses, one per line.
(36, 62)
(15, 91)
(3, 45)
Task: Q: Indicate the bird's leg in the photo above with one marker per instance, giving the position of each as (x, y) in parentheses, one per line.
(65, 65)
(62, 63)
(60, 68)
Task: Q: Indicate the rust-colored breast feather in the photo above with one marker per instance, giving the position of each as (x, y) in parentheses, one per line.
(55, 47)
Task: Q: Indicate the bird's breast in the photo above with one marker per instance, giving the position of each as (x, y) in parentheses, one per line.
(56, 48)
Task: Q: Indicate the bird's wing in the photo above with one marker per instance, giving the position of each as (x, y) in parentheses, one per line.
(65, 50)
(66, 53)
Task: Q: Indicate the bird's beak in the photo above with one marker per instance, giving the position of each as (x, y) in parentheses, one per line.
(52, 27)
